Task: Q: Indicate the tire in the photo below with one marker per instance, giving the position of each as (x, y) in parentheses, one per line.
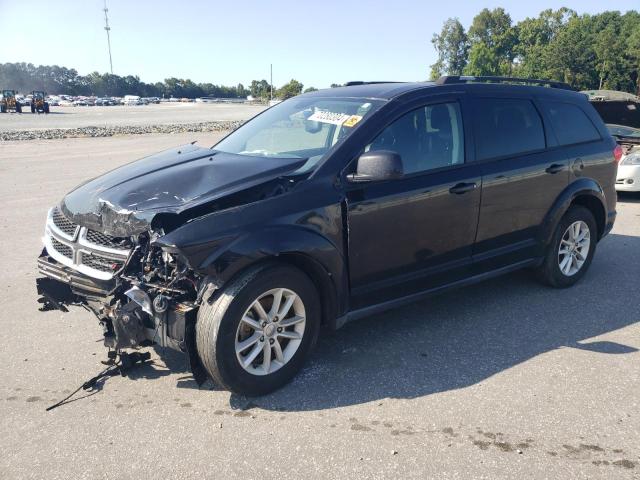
(3, 109)
(18, 108)
(33, 109)
(551, 271)
(221, 330)
(46, 108)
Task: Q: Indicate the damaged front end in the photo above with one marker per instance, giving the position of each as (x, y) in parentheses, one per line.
(140, 294)
(102, 244)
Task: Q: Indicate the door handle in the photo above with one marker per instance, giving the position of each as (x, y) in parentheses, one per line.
(461, 188)
(555, 168)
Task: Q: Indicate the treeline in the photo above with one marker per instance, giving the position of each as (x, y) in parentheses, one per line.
(25, 77)
(586, 51)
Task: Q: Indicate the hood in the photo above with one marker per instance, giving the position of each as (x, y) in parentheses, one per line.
(124, 201)
(617, 108)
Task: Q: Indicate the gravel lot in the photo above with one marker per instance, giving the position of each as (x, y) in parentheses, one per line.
(155, 114)
(506, 379)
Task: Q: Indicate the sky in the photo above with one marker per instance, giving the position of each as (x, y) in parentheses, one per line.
(317, 43)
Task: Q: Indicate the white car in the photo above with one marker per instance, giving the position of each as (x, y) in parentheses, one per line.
(132, 100)
(628, 178)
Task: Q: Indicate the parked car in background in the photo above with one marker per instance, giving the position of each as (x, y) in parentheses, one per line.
(23, 101)
(329, 207)
(80, 102)
(104, 102)
(132, 100)
(628, 178)
(621, 112)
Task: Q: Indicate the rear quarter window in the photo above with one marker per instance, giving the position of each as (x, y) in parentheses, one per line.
(570, 123)
(506, 127)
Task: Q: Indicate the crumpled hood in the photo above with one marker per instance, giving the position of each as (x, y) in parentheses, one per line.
(124, 201)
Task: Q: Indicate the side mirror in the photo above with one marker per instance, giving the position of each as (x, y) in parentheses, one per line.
(377, 165)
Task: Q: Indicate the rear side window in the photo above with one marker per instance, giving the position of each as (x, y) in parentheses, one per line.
(570, 123)
(506, 127)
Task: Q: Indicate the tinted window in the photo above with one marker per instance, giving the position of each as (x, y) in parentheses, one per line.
(506, 127)
(426, 138)
(570, 123)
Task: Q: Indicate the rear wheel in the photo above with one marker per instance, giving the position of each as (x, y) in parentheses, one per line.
(571, 251)
(18, 108)
(258, 331)
(46, 108)
(33, 108)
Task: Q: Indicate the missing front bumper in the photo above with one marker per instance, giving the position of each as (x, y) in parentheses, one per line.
(79, 284)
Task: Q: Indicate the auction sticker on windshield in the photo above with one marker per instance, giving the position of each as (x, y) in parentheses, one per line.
(352, 121)
(329, 117)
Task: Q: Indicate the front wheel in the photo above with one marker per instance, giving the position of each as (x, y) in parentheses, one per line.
(571, 251)
(256, 334)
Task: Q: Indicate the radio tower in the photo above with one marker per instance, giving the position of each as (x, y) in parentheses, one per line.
(107, 28)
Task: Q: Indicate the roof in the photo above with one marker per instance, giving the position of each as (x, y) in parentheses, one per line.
(384, 90)
(389, 90)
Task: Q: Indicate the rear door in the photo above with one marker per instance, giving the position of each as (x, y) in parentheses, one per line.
(416, 232)
(521, 179)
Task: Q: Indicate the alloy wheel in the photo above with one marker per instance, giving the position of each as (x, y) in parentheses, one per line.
(270, 331)
(574, 248)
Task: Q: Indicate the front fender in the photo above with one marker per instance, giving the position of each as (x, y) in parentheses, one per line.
(309, 249)
(579, 188)
(272, 242)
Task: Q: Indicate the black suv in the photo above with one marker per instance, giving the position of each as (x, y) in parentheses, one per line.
(328, 207)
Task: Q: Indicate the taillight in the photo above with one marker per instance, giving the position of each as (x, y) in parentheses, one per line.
(617, 153)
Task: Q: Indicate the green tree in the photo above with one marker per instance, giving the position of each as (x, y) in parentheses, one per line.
(533, 38)
(571, 56)
(452, 47)
(310, 89)
(260, 89)
(631, 32)
(492, 39)
(290, 89)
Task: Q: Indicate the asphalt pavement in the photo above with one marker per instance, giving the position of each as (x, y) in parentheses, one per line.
(505, 379)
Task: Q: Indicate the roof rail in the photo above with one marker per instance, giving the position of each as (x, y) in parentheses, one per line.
(360, 82)
(451, 79)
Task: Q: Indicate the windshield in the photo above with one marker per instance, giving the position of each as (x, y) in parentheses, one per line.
(623, 131)
(299, 128)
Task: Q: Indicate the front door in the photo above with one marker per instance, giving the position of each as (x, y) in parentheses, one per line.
(416, 232)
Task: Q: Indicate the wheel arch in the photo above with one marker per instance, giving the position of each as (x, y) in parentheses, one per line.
(585, 192)
(306, 250)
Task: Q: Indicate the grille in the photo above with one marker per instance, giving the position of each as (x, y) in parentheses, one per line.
(98, 238)
(100, 263)
(61, 248)
(98, 255)
(63, 224)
